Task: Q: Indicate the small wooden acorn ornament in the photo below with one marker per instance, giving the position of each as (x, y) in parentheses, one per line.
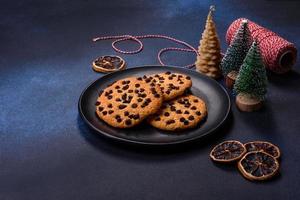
(251, 82)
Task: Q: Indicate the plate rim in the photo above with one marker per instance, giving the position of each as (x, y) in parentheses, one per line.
(153, 143)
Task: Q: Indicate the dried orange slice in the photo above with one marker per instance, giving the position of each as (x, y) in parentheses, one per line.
(109, 63)
(258, 165)
(266, 147)
(228, 151)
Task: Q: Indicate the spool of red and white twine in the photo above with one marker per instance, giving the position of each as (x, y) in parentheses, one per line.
(279, 55)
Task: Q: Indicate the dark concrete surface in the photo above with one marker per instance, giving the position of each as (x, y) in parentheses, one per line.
(47, 152)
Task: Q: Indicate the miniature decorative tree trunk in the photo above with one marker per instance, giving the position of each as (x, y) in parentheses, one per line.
(236, 54)
(251, 83)
(208, 61)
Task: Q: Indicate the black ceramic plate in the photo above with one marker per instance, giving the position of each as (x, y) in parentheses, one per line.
(214, 95)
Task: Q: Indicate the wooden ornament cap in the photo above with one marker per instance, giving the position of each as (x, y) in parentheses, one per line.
(246, 103)
(230, 79)
(109, 63)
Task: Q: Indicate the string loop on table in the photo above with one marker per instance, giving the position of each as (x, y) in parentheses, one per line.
(137, 39)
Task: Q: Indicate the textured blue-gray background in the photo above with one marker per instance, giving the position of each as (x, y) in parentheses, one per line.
(46, 151)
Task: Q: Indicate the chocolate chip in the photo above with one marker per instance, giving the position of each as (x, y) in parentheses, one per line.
(191, 117)
(118, 99)
(136, 91)
(198, 113)
(193, 108)
(182, 119)
(167, 114)
(127, 82)
(168, 73)
(186, 122)
(142, 89)
(161, 78)
(157, 119)
(104, 112)
(109, 105)
(180, 101)
(171, 121)
(156, 75)
(170, 77)
(139, 100)
(196, 100)
(97, 103)
(119, 91)
(168, 92)
(157, 96)
(119, 120)
(181, 82)
(148, 100)
(152, 84)
(131, 116)
(139, 78)
(130, 91)
(122, 106)
(128, 122)
(137, 85)
(110, 97)
(126, 113)
(117, 87)
(124, 82)
(173, 108)
(125, 87)
(144, 77)
(188, 78)
(186, 112)
(134, 105)
(143, 95)
(187, 105)
(178, 111)
(100, 108)
(110, 111)
(124, 96)
(137, 116)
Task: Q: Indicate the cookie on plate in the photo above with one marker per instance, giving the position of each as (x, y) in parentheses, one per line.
(172, 84)
(127, 102)
(181, 113)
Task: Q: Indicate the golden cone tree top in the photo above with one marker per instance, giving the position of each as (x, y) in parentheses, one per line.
(210, 54)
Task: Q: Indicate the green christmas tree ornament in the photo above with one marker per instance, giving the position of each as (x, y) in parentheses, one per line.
(236, 53)
(251, 82)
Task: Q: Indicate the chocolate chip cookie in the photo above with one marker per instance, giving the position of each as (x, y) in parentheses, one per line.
(172, 84)
(180, 113)
(127, 102)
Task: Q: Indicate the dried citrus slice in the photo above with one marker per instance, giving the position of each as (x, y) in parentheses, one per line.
(258, 165)
(109, 63)
(266, 147)
(228, 151)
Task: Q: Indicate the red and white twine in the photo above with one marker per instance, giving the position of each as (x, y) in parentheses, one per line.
(272, 46)
(137, 39)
